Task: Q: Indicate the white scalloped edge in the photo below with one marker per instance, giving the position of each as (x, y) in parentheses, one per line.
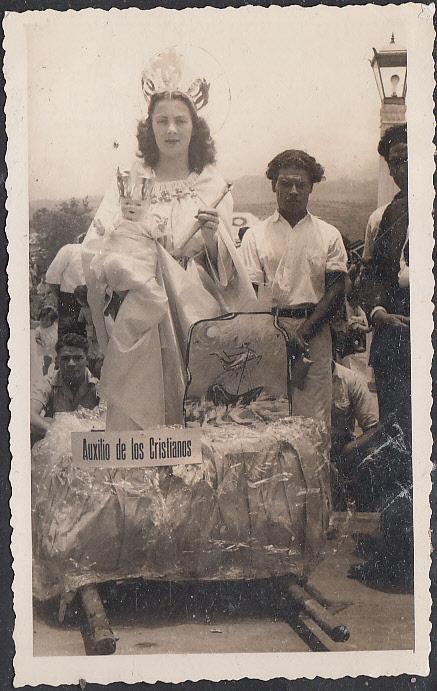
(173, 668)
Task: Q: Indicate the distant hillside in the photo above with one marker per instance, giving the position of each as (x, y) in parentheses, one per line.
(50, 204)
(345, 203)
(256, 189)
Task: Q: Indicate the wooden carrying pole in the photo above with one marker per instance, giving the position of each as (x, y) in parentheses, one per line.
(101, 636)
(308, 604)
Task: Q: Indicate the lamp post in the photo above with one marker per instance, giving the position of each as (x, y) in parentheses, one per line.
(390, 70)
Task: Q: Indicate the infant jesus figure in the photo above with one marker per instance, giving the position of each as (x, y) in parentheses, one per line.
(127, 263)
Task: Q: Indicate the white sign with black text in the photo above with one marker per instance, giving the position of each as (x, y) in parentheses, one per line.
(137, 449)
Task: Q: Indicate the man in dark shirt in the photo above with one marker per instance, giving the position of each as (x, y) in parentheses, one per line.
(388, 303)
(68, 388)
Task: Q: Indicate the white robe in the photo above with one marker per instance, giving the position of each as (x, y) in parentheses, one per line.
(144, 373)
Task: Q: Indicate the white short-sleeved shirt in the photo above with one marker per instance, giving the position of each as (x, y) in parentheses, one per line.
(351, 401)
(66, 269)
(372, 228)
(293, 260)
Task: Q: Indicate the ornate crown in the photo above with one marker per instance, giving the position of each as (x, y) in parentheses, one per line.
(131, 185)
(168, 72)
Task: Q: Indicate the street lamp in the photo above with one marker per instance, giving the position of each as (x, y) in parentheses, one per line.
(389, 66)
(390, 70)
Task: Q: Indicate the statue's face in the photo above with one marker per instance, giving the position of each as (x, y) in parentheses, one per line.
(172, 126)
(134, 209)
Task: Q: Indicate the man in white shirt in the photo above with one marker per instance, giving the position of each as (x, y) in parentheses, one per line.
(352, 404)
(64, 274)
(302, 261)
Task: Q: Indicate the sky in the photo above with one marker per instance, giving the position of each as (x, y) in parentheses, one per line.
(298, 78)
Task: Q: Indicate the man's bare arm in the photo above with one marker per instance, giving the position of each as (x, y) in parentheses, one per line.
(360, 442)
(324, 309)
(37, 422)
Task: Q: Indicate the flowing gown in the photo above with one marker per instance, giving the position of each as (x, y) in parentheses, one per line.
(144, 372)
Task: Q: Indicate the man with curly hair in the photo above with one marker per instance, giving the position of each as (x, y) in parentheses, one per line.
(301, 262)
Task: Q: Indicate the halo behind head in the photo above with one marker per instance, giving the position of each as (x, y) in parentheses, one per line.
(168, 73)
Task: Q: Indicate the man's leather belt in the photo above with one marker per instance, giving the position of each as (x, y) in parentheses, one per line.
(293, 312)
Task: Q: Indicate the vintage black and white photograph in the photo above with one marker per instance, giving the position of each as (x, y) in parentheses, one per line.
(220, 450)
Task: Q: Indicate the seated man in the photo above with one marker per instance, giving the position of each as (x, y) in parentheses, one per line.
(68, 388)
(352, 403)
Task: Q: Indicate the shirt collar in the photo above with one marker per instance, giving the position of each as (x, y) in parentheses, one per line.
(277, 217)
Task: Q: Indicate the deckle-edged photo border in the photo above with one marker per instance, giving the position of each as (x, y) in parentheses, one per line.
(174, 668)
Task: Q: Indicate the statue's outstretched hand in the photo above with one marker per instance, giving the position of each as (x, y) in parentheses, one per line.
(99, 227)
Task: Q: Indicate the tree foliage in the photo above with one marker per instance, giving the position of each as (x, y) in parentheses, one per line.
(50, 229)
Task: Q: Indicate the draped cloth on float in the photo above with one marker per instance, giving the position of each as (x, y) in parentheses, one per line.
(143, 376)
(257, 506)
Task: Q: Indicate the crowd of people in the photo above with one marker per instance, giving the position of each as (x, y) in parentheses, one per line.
(127, 293)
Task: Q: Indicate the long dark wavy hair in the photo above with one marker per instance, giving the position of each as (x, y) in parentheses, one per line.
(201, 151)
